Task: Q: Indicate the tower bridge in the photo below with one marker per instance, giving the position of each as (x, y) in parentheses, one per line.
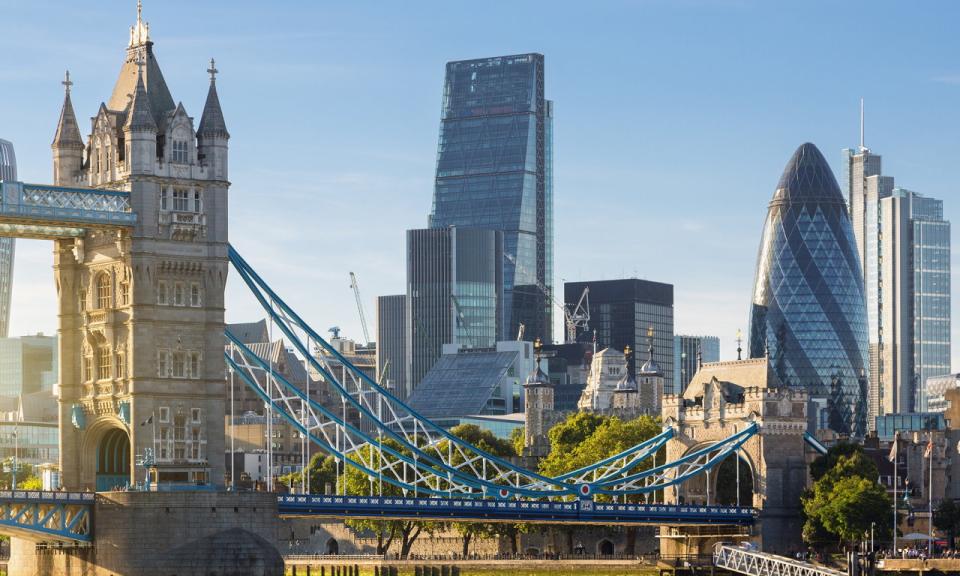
(138, 216)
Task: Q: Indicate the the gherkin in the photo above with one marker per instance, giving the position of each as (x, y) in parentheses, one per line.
(808, 310)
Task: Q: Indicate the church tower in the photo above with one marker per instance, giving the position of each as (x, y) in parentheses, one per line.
(142, 312)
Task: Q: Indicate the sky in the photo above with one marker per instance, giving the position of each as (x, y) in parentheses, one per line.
(673, 122)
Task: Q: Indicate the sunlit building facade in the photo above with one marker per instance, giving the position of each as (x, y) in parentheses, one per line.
(495, 171)
(808, 310)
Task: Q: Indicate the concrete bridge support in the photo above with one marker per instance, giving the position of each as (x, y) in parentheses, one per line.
(166, 534)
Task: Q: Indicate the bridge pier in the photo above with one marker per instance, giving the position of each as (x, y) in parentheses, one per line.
(165, 533)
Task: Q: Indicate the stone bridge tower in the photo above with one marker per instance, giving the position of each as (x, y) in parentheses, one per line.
(722, 399)
(142, 311)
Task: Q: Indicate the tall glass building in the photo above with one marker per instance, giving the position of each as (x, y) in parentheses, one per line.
(495, 171)
(454, 294)
(8, 171)
(808, 311)
(688, 352)
(904, 246)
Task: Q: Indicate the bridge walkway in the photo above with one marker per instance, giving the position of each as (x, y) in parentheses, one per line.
(753, 563)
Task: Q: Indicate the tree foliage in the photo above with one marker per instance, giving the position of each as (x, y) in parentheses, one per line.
(586, 438)
(823, 464)
(947, 518)
(517, 439)
(846, 500)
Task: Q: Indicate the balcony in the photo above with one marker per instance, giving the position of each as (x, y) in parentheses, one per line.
(184, 225)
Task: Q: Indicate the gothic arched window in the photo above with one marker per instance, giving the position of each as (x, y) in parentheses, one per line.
(103, 290)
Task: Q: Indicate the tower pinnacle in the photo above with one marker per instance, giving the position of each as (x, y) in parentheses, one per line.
(139, 32)
(212, 70)
(67, 83)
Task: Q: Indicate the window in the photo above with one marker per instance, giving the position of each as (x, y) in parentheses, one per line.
(178, 365)
(181, 200)
(195, 444)
(162, 296)
(163, 363)
(124, 293)
(104, 358)
(179, 428)
(197, 202)
(195, 415)
(180, 151)
(103, 290)
(164, 415)
(121, 365)
(195, 365)
(165, 199)
(88, 368)
(195, 299)
(178, 294)
(164, 441)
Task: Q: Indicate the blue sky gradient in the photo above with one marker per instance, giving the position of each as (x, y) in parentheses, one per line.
(673, 122)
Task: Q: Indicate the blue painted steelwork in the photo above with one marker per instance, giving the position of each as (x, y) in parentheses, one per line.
(43, 516)
(814, 443)
(430, 459)
(568, 512)
(36, 211)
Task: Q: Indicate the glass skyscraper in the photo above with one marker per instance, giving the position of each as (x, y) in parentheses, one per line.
(808, 311)
(8, 171)
(904, 245)
(454, 294)
(495, 171)
(686, 350)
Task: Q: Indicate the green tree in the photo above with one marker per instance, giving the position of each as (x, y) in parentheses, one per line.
(322, 470)
(947, 518)
(517, 438)
(845, 501)
(823, 464)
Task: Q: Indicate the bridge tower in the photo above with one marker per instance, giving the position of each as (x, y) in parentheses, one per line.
(142, 311)
(769, 469)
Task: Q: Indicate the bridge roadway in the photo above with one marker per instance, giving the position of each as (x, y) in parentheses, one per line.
(69, 516)
(463, 509)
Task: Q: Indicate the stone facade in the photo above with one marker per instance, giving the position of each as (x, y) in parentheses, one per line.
(142, 312)
(722, 399)
(151, 534)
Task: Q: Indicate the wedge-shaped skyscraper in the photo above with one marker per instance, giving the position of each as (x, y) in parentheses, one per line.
(808, 310)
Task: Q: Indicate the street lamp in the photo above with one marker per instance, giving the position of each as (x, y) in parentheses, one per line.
(16, 451)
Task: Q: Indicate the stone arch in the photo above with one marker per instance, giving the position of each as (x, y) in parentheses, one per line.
(605, 548)
(725, 482)
(113, 460)
(694, 490)
(333, 547)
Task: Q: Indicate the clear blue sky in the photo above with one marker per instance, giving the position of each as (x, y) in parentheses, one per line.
(673, 122)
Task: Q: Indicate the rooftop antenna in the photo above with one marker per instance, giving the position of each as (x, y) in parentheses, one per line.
(862, 147)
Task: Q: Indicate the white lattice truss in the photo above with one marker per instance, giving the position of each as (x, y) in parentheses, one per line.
(762, 564)
(59, 204)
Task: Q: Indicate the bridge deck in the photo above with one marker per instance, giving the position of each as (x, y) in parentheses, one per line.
(575, 512)
(47, 516)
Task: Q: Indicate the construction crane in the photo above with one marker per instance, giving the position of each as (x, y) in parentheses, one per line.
(578, 318)
(363, 318)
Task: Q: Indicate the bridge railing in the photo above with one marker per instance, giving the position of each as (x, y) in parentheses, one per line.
(58, 203)
(754, 563)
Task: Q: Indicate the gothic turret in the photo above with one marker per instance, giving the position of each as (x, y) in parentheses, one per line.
(140, 131)
(212, 134)
(67, 143)
(538, 404)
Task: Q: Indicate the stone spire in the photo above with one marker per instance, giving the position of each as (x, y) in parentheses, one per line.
(139, 32)
(139, 116)
(211, 122)
(68, 132)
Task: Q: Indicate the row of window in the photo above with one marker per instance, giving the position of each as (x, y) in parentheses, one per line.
(105, 365)
(104, 293)
(180, 419)
(176, 294)
(181, 200)
(179, 364)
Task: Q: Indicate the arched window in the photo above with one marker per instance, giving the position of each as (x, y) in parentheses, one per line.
(103, 290)
(104, 363)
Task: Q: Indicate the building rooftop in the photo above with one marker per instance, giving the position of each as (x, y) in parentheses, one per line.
(461, 384)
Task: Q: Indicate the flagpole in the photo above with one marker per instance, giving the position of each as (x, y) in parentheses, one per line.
(930, 497)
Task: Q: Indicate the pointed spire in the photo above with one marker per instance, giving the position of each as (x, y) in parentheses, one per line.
(139, 32)
(211, 122)
(139, 116)
(68, 131)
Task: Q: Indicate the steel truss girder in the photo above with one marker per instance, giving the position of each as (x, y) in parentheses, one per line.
(61, 516)
(762, 564)
(55, 211)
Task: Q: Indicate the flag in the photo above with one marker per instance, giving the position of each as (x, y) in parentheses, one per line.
(147, 421)
(893, 447)
(929, 451)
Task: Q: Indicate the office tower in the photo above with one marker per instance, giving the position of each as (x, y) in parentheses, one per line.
(27, 365)
(688, 352)
(392, 343)
(904, 246)
(622, 312)
(808, 311)
(495, 171)
(8, 171)
(454, 293)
